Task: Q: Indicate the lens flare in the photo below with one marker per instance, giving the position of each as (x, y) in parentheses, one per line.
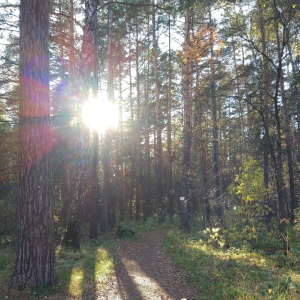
(100, 114)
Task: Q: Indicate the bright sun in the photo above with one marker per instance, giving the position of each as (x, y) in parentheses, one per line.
(100, 114)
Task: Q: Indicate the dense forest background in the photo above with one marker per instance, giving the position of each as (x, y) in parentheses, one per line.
(209, 116)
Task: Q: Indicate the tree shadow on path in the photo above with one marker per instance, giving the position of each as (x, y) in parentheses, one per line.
(144, 271)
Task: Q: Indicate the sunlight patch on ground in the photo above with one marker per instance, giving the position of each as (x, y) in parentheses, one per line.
(147, 286)
(75, 286)
(103, 265)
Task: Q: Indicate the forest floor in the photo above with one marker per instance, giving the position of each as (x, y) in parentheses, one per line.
(141, 267)
(135, 268)
(144, 271)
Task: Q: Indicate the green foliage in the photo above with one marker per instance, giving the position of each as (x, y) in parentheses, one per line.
(152, 223)
(213, 237)
(124, 230)
(250, 203)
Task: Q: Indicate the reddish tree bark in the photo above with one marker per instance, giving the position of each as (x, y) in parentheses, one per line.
(35, 256)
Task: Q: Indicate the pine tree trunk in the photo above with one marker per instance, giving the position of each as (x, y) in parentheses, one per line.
(287, 133)
(87, 79)
(138, 131)
(93, 229)
(120, 147)
(278, 158)
(265, 95)
(35, 256)
(239, 94)
(92, 68)
(216, 160)
(169, 130)
(131, 193)
(71, 64)
(147, 166)
(187, 131)
(158, 121)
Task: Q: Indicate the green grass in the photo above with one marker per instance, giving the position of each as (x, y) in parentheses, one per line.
(233, 273)
(81, 273)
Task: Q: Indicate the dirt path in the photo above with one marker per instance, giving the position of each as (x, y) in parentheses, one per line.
(144, 272)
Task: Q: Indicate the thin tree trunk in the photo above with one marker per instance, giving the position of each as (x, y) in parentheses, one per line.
(278, 161)
(187, 130)
(240, 106)
(138, 130)
(286, 127)
(158, 121)
(108, 197)
(131, 196)
(169, 130)
(71, 64)
(249, 122)
(93, 228)
(122, 193)
(205, 171)
(147, 167)
(216, 159)
(265, 96)
(66, 194)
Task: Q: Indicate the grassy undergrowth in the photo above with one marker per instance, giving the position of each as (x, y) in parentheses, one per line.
(81, 274)
(152, 224)
(220, 274)
(241, 272)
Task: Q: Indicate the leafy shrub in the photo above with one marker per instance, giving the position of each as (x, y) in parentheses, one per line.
(250, 203)
(213, 237)
(124, 230)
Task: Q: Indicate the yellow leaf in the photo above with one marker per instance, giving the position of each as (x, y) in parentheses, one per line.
(221, 43)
